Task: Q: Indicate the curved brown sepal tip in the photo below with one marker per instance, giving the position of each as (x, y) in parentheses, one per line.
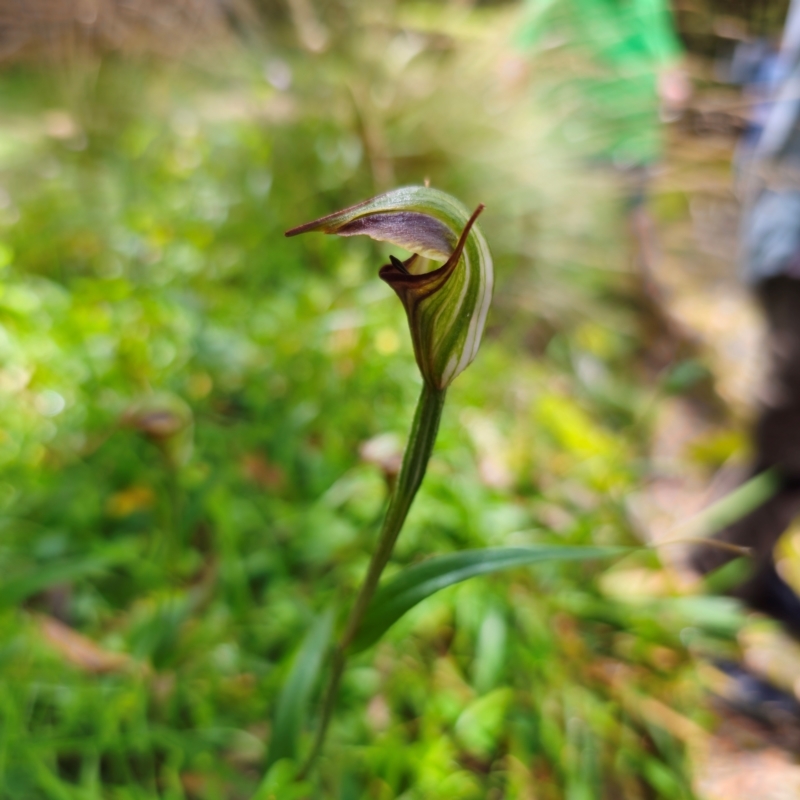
(401, 279)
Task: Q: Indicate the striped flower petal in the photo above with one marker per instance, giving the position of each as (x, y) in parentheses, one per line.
(447, 307)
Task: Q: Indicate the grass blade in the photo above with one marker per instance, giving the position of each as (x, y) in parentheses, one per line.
(415, 583)
(735, 505)
(15, 589)
(296, 694)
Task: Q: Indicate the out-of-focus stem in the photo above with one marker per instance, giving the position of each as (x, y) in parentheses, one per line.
(415, 462)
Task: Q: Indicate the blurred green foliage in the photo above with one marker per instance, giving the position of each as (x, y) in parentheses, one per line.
(143, 266)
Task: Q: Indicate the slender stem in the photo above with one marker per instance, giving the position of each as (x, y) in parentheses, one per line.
(415, 462)
(174, 545)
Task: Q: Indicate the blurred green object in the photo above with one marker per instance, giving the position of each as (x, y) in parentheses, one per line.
(612, 112)
(292, 706)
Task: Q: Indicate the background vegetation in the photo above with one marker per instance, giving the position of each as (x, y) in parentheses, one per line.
(198, 417)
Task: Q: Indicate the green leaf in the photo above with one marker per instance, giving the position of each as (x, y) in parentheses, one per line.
(39, 577)
(281, 783)
(740, 502)
(480, 725)
(416, 583)
(296, 693)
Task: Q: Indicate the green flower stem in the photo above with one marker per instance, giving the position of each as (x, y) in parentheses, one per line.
(415, 462)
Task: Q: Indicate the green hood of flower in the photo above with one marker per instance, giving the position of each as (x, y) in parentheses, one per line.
(446, 307)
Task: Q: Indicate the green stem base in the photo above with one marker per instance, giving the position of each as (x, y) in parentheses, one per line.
(415, 461)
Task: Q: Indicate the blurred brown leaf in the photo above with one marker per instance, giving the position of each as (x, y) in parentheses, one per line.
(79, 650)
(259, 470)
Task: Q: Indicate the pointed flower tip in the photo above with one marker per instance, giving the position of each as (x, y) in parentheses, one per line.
(330, 223)
(447, 307)
(317, 224)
